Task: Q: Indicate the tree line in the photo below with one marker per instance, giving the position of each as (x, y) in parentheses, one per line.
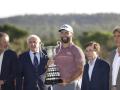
(18, 39)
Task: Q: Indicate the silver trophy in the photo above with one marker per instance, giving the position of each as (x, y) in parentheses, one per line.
(52, 74)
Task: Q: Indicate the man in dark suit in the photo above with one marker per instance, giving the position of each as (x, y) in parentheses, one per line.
(8, 63)
(32, 66)
(96, 71)
(114, 60)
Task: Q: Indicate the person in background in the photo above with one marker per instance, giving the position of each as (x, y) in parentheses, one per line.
(69, 58)
(96, 70)
(8, 62)
(32, 66)
(114, 60)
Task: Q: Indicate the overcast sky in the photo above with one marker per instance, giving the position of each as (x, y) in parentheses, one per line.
(21, 7)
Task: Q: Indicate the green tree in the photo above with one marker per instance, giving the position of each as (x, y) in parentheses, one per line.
(13, 32)
(17, 37)
(104, 38)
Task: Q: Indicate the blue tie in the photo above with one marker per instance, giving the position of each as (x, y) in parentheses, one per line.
(35, 60)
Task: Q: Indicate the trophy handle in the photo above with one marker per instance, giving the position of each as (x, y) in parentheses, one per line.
(42, 45)
(52, 53)
(41, 48)
(58, 43)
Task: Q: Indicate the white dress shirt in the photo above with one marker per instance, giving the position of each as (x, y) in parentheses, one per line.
(115, 67)
(32, 56)
(91, 66)
(1, 59)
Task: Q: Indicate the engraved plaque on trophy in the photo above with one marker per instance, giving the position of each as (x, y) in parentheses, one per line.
(52, 74)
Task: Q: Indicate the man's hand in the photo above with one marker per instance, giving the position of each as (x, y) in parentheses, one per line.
(50, 62)
(1, 82)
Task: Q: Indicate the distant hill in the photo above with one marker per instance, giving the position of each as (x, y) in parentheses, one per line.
(45, 24)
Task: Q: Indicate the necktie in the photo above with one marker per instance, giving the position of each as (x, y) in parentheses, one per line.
(35, 60)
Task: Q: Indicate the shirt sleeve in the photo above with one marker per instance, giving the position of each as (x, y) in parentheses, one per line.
(79, 56)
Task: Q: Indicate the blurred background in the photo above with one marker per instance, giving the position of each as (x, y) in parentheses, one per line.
(92, 20)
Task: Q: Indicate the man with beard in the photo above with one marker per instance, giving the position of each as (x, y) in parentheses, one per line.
(69, 58)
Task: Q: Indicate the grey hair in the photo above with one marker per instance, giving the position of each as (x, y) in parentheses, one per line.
(33, 36)
(3, 34)
(116, 29)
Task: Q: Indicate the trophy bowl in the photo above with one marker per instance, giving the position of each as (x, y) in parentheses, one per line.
(52, 74)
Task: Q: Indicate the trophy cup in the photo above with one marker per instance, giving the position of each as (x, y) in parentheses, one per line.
(52, 74)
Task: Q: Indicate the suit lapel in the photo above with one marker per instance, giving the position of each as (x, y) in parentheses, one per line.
(42, 58)
(87, 68)
(118, 76)
(111, 59)
(3, 64)
(30, 61)
(95, 69)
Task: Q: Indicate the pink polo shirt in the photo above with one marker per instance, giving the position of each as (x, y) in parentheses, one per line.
(68, 59)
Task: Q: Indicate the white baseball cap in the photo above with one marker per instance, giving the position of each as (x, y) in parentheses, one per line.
(66, 27)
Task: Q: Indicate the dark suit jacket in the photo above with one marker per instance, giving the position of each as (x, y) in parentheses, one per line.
(100, 76)
(8, 70)
(30, 74)
(111, 59)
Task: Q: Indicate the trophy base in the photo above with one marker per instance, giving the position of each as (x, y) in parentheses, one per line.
(52, 82)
